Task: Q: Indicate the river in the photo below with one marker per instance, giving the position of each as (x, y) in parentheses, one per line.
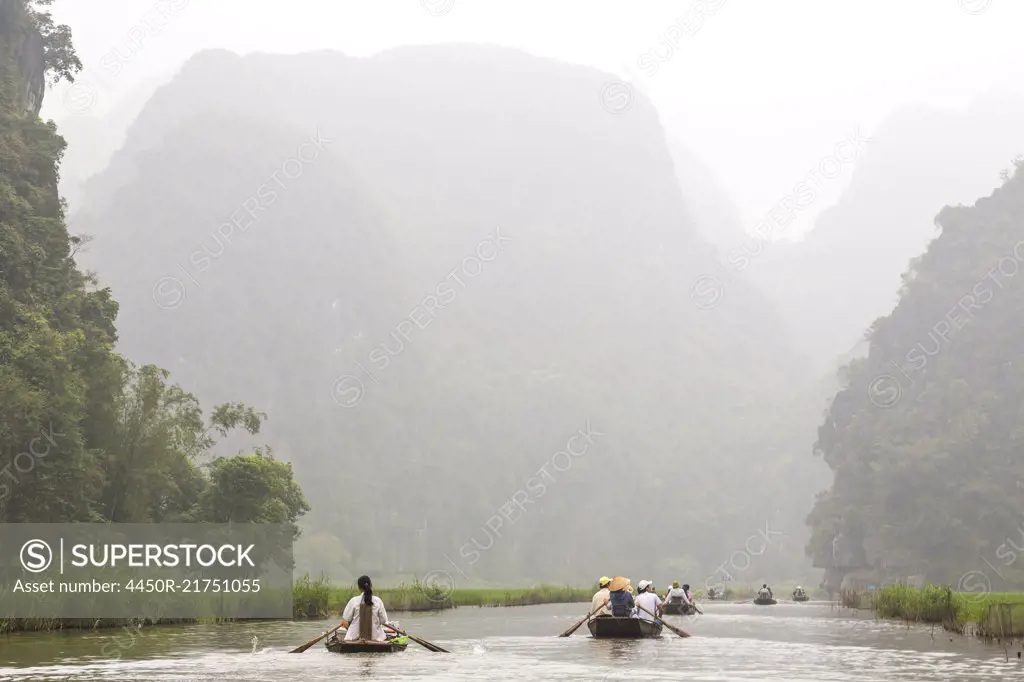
(794, 642)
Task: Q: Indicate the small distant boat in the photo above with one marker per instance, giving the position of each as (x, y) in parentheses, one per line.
(716, 595)
(801, 597)
(679, 609)
(610, 627)
(765, 601)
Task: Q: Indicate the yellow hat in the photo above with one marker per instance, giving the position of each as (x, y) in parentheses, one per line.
(629, 588)
(604, 581)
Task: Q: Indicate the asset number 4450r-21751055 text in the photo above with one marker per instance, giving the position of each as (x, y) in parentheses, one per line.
(194, 585)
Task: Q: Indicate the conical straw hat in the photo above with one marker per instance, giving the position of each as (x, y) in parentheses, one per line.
(618, 583)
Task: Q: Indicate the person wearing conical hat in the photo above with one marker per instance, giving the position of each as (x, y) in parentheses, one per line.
(622, 603)
(602, 598)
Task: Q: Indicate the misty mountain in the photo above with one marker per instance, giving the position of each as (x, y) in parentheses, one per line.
(93, 138)
(437, 268)
(713, 212)
(924, 441)
(918, 160)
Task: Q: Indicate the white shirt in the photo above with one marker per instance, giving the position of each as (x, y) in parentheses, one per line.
(649, 601)
(351, 614)
(678, 592)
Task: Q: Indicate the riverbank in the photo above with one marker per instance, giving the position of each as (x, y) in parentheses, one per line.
(985, 614)
(318, 599)
(418, 597)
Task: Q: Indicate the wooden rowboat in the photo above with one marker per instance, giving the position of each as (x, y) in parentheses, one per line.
(367, 646)
(765, 602)
(680, 609)
(610, 627)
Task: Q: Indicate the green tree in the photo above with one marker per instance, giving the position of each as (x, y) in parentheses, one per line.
(85, 435)
(253, 488)
(926, 459)
(57, 367)
(59, 56)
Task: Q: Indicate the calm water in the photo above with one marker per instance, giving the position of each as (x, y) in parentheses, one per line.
(794, 642)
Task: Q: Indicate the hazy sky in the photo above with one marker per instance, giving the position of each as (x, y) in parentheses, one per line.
(762, 90)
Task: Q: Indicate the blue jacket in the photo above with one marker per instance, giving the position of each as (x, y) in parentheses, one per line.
(622, 604)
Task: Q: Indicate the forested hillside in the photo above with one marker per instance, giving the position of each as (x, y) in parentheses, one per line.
(276, 226)
(884, 218)
(85, 435)
(925, 442)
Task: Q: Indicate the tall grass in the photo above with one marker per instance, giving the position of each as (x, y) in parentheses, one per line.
(1002, 620)
(989, 614)
(928, 604)
(429, 597)
(311, 598)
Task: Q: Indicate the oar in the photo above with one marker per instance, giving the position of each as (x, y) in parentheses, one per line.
(581, 621)
(673, 628)
(299, 650)
(422, 642)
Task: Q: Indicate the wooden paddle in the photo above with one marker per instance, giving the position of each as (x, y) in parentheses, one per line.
(300, 649)
(673, 628)
(581, 621)
(422, 642)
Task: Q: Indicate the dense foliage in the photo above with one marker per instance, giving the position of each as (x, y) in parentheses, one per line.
(59, 57)
(925, 441)
(85, 435)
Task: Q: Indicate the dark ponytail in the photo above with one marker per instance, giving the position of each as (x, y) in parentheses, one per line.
(366, 586)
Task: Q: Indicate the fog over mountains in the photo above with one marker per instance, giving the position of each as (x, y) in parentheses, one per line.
(558, 244)
(498, 319)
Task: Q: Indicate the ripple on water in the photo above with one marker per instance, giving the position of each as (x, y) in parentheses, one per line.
(734, 643)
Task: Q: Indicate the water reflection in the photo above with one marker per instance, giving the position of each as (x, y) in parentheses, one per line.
(732, 642)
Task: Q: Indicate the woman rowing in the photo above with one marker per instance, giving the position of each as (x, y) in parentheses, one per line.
(364, 615)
